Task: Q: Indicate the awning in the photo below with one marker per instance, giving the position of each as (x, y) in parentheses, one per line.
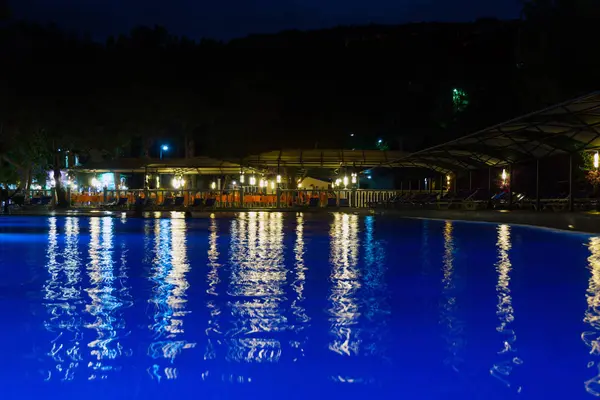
(569, 127)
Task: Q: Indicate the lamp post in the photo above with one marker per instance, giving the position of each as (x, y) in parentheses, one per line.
(164, 147)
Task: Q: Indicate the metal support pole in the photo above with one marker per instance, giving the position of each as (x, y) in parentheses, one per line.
(455, 183)
(430, 185)
(278, 194)
(470, 181)
(401, 187)
(409, 186)
(510, 186)
(490, 181)
(441, 186)
(537, 185)
(570, 182)
(419, 185)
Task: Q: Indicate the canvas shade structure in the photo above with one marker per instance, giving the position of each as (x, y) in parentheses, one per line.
(196, 165)
(565, 128)
(322, 158)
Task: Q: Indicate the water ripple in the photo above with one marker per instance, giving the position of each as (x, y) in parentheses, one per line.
(256, 288)
(592, 316)
(169, 299)
(503, 368)
(345, 282)
(63, 301)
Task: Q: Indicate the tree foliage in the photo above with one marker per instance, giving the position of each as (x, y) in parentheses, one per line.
(414, 85)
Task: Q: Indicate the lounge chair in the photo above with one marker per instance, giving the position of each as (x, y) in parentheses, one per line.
(314, 202)
(167, 202)
(210, 202)
(197, 203)
(120, 203)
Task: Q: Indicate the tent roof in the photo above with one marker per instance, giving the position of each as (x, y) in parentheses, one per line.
(322, 158)
(568, 127)
(196, 165)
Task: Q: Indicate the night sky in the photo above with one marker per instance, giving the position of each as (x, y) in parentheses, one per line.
(226, 19)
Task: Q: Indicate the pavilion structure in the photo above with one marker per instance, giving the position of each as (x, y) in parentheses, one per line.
(566, 129)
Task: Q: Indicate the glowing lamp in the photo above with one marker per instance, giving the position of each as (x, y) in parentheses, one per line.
(242, 178)
(345, 181)
(213, 185)
(503, 174)
(272, 184)
(252, 180)
(596, 160)
(278, 178)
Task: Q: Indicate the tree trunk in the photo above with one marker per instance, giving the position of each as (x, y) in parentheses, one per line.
(61, 196)
(29, 176)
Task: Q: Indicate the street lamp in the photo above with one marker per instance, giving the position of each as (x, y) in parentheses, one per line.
(164, 147)
(596, 160)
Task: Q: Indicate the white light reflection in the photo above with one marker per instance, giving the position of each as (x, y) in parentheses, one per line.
(213, 330)
(505, 312)
(449, 308)
(258, 275)
(107, 299)
(169, 268)
(301, 318)
(63, 301)
(592, 316)
(344, 310)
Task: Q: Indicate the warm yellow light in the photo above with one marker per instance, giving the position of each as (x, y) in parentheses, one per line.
(596, 160)
(157, 182)
(278, 178)
(261, 183)
(504, 175)
(345, 181)
(242, 178)
(299, 184)
(252, 180)
(213, 185)
(353, 178)
(272, 184)
(448, 178)
(234, 183)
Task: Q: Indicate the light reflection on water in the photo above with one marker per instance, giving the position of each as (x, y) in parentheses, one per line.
(256, 289)
(168, 303)
(63, 301)
(109, 294)
(449, 311)
(227, 298)
(301, 319)
(592, 317)
(345, 281)
(508, 359)
(213, 331)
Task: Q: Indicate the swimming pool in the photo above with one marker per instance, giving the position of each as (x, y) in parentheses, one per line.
(272, 305)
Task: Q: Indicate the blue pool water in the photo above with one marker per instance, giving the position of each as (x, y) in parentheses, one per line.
(270, 305)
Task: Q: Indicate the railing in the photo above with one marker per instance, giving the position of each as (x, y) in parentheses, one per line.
(234, 199)
(246, 198)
